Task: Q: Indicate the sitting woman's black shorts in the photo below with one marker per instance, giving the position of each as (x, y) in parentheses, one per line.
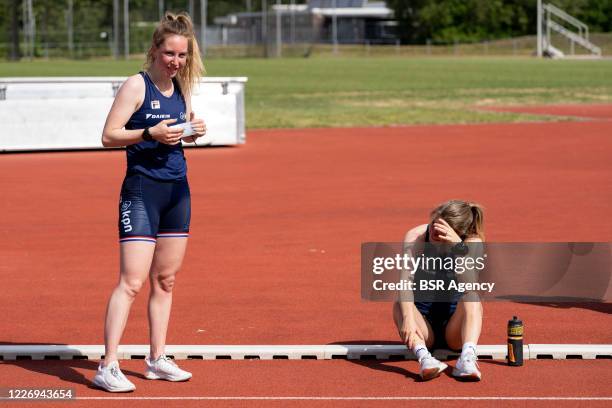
(438, 315)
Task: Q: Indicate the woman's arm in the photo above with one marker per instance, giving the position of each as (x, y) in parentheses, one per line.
(412, 242)
(128, 100)
(409, 330)
(470, 275)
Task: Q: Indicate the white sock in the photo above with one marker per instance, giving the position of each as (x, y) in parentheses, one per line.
(420, 350)
(468, 347)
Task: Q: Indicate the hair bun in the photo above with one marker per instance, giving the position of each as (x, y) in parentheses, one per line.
(185, 20)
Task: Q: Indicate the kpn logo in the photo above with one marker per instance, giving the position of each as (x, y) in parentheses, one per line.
(125, 216)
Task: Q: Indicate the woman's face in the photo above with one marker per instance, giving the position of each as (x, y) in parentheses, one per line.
(171, 55)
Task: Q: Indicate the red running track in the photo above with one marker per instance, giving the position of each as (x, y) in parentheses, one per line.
(320, 379)
(277, 226)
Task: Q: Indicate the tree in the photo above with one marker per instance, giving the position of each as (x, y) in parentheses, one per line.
(14, 54)
(407, 13)
(447, 21)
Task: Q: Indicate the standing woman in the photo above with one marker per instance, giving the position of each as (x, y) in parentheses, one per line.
(454, 324)
(155, 203)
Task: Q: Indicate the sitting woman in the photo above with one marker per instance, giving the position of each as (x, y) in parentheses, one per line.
(452, 323)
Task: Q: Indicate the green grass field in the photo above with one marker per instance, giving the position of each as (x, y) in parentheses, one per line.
(323, 92)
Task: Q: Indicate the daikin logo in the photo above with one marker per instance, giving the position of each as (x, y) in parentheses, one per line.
(160, 116)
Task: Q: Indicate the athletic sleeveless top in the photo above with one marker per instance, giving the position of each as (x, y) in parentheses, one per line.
(152, 158)
(430, 251)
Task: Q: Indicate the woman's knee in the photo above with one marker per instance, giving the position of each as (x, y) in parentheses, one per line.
(472, 307)
(165, 282)
(131, 286)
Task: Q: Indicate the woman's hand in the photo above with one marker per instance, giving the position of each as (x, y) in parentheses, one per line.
(166, 134)
(198, 126)
(445, 232)
(410, 332)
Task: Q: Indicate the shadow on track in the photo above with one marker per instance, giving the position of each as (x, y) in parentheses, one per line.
(383, 365)
(65, 370)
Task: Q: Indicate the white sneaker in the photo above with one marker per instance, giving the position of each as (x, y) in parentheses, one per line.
(165, 369)
(430, 367)
(111, 379)
(467, 368)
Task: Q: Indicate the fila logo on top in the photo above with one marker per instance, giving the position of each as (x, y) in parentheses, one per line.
(125, 216)
(154, 104)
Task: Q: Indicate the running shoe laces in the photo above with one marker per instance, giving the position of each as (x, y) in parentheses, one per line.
(428, 361)
(467, 367)
(470, 360)
(111, 379)
(115, 372)
(163, 368)
(167, 359)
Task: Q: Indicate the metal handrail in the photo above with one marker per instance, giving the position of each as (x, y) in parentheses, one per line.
(574, 37)
(570, 19)
(560, 13)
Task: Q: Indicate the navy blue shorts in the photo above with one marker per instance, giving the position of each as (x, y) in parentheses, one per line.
(438, 315)
(150, 209)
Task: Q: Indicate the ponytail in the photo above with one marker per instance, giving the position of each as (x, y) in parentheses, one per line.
(477, 225)
(467, 219)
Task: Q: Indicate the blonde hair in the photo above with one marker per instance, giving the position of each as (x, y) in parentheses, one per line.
(466, 218)
(179, 24)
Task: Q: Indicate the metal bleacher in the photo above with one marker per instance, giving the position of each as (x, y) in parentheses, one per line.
(553, 19)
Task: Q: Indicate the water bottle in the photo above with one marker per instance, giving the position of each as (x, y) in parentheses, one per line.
(515, 342)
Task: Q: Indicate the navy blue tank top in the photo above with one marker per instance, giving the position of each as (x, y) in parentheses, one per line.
(424, 297)
(152, 158)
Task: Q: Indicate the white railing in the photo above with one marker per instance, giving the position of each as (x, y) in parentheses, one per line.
(552, 18)
(554, 10)
(576, 39)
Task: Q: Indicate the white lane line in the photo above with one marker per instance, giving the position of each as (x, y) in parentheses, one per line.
(359, 398)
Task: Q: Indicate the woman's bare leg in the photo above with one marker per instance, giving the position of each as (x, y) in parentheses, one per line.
(465, 324)
(167, 261)
(135, 263)
(420, 321)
